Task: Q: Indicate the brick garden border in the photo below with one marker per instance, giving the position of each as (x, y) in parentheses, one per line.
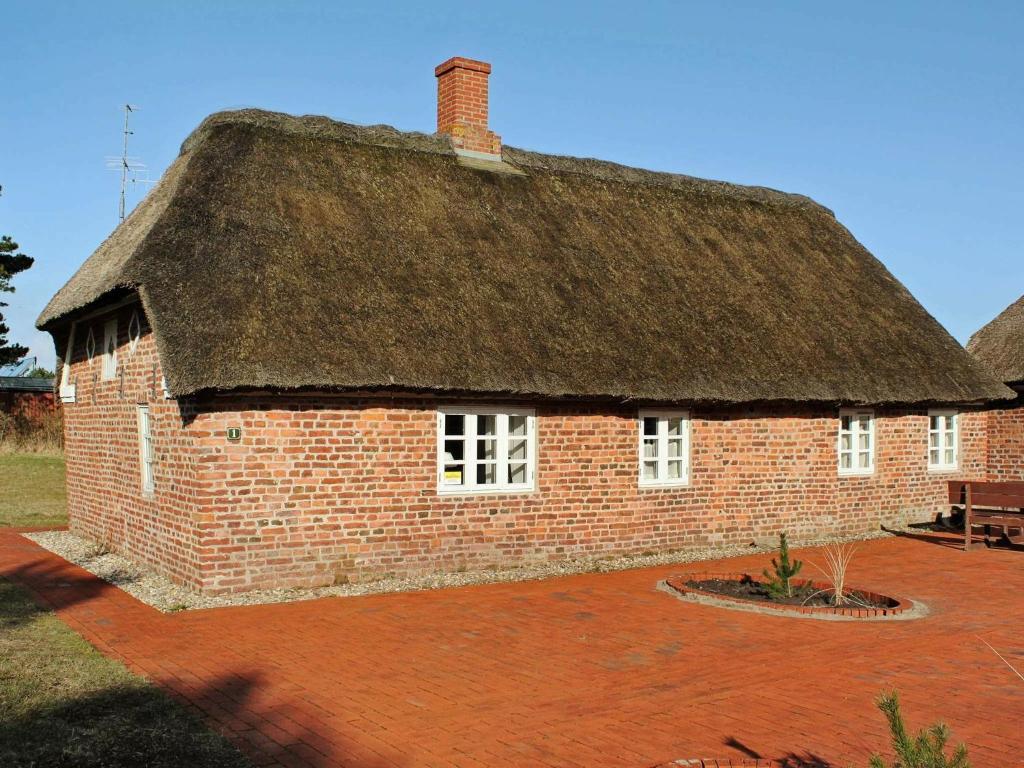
(900, 607)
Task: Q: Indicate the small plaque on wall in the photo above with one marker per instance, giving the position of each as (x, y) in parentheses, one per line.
(234, 434)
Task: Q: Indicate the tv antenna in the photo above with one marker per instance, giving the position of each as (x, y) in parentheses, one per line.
(130, 167)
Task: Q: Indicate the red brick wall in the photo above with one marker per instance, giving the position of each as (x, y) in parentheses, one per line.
(325, 488)
(1006, 442)
(30, 407)
(105, 500)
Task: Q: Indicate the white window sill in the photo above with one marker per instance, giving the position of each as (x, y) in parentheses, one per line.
(656, 485)
(943, 470)
(485, 491)
(856, 472)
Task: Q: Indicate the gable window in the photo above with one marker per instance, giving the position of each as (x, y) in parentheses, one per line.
(134, 330)
(856, 442)
(90, 345)
(664, 448)
(146, 448)
(943, 440)
(110, 349)
(485, 449)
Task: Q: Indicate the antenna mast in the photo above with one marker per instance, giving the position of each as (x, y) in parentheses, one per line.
(128, 166)
(124, 160)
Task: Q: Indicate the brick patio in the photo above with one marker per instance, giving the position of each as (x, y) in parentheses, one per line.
(579, 671)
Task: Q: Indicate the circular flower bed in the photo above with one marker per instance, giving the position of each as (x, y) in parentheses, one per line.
(810, 597)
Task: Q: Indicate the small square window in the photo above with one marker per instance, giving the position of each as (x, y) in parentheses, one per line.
(856, 443)
(664, 448)
(943, 440)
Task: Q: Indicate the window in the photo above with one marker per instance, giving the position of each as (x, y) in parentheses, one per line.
(856, 442)
(146, 448)
(485, 449)
(664, 448)
(110, 349)
(134, 330)
(943, 440)
(90, 345)
(67, 387)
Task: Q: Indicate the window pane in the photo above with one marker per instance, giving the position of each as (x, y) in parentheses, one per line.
(486, 474)
(517, 473)
(650, 470)
(675, 427)
(517, 425)
(675, 448)
(454, 450)
(650, 425)
(846, 442)
(675, 470)
(933, 423)
(949, 456)
(487, 424)
(487, 449)
(845, 460)
(454, 474)
(864, 460)
(933, 440)
(454, 424)
(933, 456)
(864, 422)
(650, 449)
(517, 450)
(862, 441)
(845, 423)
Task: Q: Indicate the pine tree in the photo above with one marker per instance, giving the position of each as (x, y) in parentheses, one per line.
(779, 582)
(11, 263)
(927, 750)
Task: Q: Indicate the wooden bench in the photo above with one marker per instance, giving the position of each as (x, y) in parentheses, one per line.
(991, 504)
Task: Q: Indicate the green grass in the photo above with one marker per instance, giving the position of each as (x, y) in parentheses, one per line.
(33, 490)
(63, 704)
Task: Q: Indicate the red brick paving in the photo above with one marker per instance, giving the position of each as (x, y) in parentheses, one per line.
(590, 670)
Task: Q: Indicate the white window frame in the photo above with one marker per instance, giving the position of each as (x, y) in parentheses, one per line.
(134, 330)
(109, 370)
(469, 460)
(950, 426)
(90, 345)
(855, 433)
(662, 452)
(67, 388)
(145, 419)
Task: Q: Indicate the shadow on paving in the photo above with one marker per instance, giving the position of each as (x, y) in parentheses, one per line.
(790, 760)
(61, 590)
(79, 715)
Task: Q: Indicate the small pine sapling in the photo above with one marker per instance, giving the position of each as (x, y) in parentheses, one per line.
(927, 750)
(780, 582)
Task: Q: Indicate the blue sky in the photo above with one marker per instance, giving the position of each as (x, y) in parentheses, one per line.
(906, 119)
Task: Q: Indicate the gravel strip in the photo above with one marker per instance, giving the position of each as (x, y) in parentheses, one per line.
(164, 595)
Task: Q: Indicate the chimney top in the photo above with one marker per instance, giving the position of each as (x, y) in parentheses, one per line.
(462, 63)
(462, 107)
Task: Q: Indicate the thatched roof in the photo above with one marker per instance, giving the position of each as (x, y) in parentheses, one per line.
(289, 252)
(1000, 344)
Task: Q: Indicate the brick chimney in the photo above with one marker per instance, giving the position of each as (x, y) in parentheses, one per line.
(462, 107)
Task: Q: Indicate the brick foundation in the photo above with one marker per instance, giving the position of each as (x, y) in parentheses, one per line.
(327, 488)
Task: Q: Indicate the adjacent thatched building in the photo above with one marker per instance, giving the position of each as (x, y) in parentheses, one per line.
(318, 351)
(1000, 347)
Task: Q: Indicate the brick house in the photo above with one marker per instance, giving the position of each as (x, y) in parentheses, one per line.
(319, 352)
(1000, 347)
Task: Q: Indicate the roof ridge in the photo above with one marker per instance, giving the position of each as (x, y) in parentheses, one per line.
(321, 126)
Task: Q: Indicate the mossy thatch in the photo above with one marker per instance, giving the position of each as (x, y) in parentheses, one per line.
(285, 252)
(1000, 344)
